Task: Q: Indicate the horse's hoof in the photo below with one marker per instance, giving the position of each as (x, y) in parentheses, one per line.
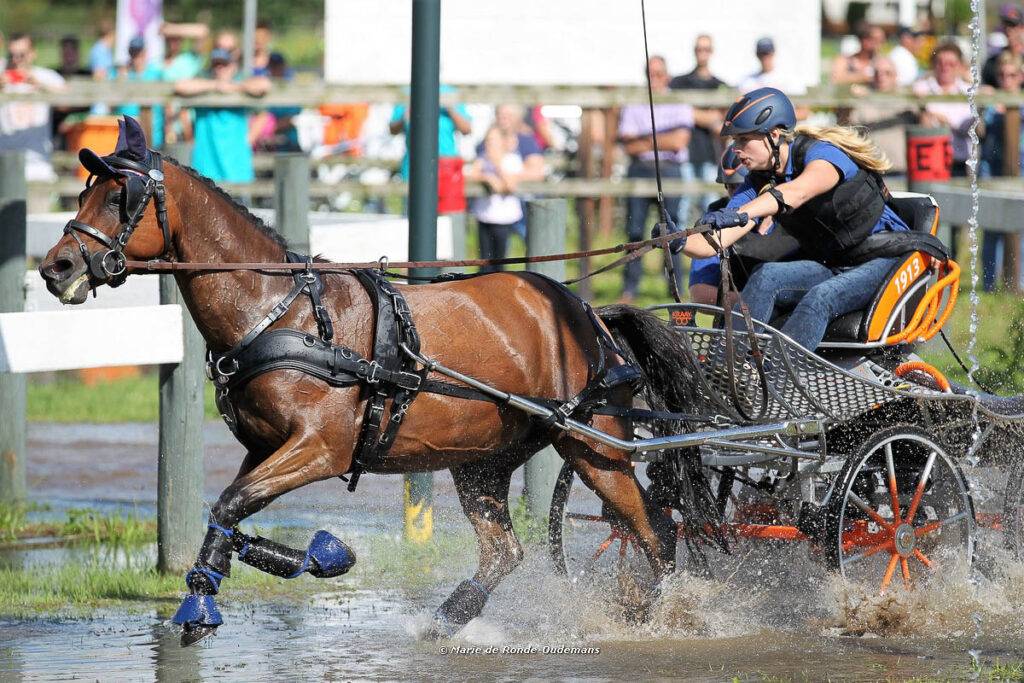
(193, 633)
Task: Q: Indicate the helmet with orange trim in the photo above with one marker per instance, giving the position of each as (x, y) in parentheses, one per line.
(759, 111)
(730, 170)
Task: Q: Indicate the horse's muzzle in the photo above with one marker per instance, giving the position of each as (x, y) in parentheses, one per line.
(66, 277)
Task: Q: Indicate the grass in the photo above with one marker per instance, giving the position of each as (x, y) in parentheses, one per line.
(392, 561)
(80, 525)
(129, 399)
(78, 588)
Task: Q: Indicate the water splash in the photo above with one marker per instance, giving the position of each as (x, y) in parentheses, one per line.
(972, 169)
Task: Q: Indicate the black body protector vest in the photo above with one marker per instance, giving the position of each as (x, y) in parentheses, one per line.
(832, 225)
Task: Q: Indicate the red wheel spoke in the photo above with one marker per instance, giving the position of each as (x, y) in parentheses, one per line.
(923, 558)
(604, 546)
(869, 552)
(925, 473)
(893, 489)
(905, 567)
(867, 510)
(889, 571)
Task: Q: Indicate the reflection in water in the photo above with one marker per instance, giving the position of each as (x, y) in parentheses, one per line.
(172, 662)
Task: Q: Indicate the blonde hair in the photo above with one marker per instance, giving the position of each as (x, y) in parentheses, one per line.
(859, 147)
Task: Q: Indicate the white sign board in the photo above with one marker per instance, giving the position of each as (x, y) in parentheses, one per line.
(570, 42)
(70, 339)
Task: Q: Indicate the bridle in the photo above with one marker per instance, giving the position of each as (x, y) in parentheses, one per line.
(143, 182)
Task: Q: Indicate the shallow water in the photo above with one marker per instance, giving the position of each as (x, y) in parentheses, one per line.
(763, 611)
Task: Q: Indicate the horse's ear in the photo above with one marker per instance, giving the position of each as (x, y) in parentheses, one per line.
(131, 140)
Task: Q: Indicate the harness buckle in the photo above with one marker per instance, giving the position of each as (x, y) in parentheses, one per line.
(373, 368)
(222, 371)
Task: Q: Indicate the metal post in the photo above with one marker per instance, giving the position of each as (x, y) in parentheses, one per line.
(179, 502)
(248, 36)
(291, 199)
(424, 109)
(1011, 168)
(546, 221)
(13, 218)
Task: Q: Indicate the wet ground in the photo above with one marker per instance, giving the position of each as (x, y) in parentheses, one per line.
(764, 615)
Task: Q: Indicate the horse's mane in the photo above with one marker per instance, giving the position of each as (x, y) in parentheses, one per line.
(253, 219)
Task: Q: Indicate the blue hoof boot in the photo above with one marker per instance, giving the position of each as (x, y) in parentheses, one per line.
(329, 556)
(198, 610)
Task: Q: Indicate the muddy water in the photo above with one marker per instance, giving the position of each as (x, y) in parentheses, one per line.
(761, 612)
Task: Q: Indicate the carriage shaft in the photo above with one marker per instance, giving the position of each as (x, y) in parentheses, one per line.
(660, 443)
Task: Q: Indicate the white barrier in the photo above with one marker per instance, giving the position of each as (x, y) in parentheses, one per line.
(71, 339)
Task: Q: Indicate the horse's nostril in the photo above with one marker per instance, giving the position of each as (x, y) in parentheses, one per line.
(58, 268)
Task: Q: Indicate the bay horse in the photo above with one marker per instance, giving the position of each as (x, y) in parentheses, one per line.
(518, 332)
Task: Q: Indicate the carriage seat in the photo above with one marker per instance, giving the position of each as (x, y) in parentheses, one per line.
(897, 300)
(892, 316)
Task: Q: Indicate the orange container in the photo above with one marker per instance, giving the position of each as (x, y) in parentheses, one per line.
(93, 376)
(98, 133)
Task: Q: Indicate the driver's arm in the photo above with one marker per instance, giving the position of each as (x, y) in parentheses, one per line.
(817, 178)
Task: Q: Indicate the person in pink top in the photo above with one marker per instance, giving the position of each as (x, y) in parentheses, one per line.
(946, 78)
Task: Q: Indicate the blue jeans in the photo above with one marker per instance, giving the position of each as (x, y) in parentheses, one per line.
(636, 221)
(814, 293)
(706, 171)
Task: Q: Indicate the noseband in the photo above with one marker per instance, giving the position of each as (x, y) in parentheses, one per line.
(143, 182)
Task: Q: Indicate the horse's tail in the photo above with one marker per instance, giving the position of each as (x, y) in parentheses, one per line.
(669, 385)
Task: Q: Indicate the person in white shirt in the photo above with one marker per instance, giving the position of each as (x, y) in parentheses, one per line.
(26, 125)
(946, 79)
(769, 76)
(902, 56)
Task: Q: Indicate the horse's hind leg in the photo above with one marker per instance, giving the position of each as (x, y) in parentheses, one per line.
(609, 473)
(483, 491)
(302, 460)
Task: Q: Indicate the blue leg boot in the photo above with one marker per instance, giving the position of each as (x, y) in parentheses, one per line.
(325, 557)
(198, 615)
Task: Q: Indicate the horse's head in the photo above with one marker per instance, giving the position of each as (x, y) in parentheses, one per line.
(122, 215)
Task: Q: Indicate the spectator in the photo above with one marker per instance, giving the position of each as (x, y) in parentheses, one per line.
(26, 125)
(886, 123)
(858, 67)
(451, 120)
(674, 126)
(1011, 19)
(274, 128)
(228, 40)
(70, 67)
(180, 63)
(904, 56)
(537, 125)
(71, 58)
(138, 70)
(222, 149)
(506, 158)
(1010, 77)
(768, 76)
(101, 55)
(703, 161)
(946, 79)
(261, 41)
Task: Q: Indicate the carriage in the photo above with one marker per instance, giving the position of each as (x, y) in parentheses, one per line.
(869, 469)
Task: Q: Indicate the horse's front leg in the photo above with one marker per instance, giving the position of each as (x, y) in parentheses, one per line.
(302, 460)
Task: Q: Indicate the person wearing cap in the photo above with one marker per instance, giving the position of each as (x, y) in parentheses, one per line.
(1011, 19)
(140, 70)
(822, 184)
(858, 67)
(904, 56)
(768, 76)
(222, 150)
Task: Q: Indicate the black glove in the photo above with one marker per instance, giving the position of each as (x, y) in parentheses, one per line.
(668, 228)
(724, 218)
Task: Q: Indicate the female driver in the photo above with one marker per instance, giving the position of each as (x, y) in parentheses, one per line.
(822, 185)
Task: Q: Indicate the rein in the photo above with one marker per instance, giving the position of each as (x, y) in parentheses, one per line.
(633, 250)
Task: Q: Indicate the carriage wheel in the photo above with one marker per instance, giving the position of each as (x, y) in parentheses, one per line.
(1012, 520)
(901, 508)
(585, 540)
